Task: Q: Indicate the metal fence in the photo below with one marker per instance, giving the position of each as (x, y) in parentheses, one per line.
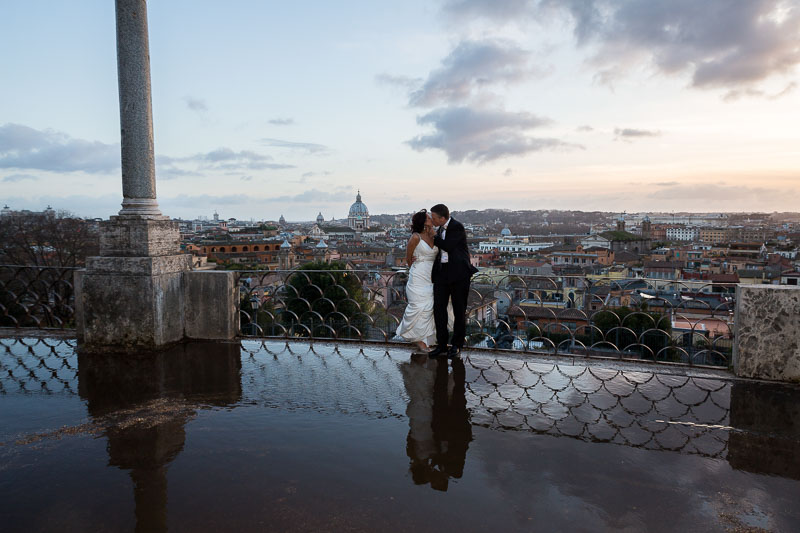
(37, 297)
(683, 322)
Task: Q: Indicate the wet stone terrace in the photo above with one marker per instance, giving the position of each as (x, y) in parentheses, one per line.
(276, 436)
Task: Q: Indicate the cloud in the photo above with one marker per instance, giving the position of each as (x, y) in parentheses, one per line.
(719, 194)
(281, 121)
(195, 104)
(404, 82)
(470, 67)
(185, 200)
(23, 147)
(720, 43)
(222, 158)
(311, 148)
(665, 183)
(584, 128)
(311, 174)
(495, 10)
(482, 135)
(12, 178)
(632, 133)
(737, 94)
(246, 178)
(717, 43)
(508, 172)
(338, 194)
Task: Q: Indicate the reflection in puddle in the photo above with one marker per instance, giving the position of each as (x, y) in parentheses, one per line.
(439, 427)
(270, 436)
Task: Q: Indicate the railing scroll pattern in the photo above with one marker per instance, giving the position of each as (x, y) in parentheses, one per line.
(684, 322)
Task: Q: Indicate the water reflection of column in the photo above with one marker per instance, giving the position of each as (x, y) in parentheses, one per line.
(766, 418)
(144, 403)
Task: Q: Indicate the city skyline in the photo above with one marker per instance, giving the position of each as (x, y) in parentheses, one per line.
(262, 110)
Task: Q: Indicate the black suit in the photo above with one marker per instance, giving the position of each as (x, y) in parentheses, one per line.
(451, 282)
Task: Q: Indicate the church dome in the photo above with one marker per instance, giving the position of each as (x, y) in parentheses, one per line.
(506, 232)
(358, 209)
(321, 244)
(320, 218)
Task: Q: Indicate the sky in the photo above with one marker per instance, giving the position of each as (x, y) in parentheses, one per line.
(265, 108)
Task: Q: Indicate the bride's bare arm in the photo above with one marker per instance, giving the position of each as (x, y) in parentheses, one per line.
(412, 244)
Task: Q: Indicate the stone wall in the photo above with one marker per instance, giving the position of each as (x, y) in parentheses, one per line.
(767, 332)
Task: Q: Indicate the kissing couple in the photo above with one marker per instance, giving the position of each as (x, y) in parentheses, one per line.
(438, 283)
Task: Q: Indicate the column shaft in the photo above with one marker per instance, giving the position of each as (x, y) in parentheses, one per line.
(135, 108)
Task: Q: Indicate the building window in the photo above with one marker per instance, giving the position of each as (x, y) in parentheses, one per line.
(244, 248)
(222, 249)
(255, 248)
(233, 248)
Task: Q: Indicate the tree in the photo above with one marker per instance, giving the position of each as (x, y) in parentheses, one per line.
(54, 243)
(639, 321)
(326, 294)
(47, 239)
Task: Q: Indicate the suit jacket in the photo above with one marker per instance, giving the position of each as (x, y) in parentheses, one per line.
(455, 244)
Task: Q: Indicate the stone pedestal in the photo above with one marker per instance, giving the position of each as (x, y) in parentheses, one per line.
(767, 332)
(131, 297)
(141, 295)
(210, 305)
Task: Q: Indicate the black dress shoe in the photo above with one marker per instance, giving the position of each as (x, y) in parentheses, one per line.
(453, 352)
(436, 352)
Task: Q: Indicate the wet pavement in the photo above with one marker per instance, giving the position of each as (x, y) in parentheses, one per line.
(266, 436)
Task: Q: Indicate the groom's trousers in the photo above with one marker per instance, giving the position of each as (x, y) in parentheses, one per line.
(458, 292)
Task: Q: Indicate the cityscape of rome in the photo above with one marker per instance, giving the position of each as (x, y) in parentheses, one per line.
(734, 247)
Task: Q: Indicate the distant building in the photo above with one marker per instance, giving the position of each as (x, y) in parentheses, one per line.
(358, 217)
(617, 241)
(682, 233)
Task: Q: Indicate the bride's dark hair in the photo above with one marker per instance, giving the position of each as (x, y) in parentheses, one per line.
(418, 221)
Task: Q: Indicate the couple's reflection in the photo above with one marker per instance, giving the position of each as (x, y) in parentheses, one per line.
(439, 426)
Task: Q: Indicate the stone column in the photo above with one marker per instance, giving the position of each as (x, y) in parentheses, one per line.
(136, 295)
(131, 297)
(135, 110)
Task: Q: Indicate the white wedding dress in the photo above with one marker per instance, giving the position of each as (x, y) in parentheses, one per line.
(417, 324)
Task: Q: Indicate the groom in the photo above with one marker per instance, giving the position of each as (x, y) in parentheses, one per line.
(450, 275)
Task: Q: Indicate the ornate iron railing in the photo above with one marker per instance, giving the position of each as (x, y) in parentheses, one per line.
(37, 297)
(685, 322)
(659, 320)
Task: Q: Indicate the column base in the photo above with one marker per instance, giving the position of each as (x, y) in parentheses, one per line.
(130, 304)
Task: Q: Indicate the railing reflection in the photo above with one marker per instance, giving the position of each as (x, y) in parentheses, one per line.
(142, 404)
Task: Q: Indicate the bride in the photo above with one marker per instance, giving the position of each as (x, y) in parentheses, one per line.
(417, 325)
